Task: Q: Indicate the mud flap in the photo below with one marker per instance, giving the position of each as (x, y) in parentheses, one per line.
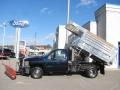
(102, 69)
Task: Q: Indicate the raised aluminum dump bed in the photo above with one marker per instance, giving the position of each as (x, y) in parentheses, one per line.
(93, 44)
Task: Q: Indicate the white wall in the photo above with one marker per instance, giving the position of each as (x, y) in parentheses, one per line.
(91, 26)
(61, 37)
(113, 24)
(100, 16)
(108, 25)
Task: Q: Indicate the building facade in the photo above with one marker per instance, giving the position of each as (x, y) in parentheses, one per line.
(91, 26)
(106, 26)
(60, 37)
(108, 20)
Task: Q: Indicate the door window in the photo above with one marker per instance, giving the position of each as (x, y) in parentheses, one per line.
(58, 55)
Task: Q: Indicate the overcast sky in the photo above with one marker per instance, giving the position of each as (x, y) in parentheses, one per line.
(44, 16)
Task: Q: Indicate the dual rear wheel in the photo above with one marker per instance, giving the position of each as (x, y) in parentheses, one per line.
(92, 72)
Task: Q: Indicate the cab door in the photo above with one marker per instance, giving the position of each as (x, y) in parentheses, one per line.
(57, 61)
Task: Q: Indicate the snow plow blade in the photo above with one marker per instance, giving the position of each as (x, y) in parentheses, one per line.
(10, 72)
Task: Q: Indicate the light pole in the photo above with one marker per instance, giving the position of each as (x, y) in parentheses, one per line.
(68, 19)
(68, 12)
(17, 44)
(35, 43)
(3, 39)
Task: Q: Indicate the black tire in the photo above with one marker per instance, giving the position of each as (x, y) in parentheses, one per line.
(92, 72)
(36, 72)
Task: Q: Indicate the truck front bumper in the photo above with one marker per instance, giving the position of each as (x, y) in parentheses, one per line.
(26, 70)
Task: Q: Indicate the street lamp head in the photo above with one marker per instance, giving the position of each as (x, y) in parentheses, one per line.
(4, 24)
(19, 24)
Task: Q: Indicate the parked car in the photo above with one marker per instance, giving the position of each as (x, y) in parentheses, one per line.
(7, 53)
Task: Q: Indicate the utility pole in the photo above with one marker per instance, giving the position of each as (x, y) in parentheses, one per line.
(68, 19)
(68, 12)
(3, 25)
(3, 41)
(35, 40)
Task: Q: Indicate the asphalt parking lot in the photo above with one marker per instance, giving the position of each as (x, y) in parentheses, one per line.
(110, 81)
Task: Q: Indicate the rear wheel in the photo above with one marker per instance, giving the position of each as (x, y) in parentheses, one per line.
(36, 72)
(92, 72)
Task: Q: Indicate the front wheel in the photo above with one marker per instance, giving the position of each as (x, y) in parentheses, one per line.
(92, 72)
(36, 72)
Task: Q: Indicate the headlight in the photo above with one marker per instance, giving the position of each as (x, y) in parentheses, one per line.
(26, 63)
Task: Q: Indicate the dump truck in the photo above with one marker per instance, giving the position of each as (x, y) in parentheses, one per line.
(85, 54)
